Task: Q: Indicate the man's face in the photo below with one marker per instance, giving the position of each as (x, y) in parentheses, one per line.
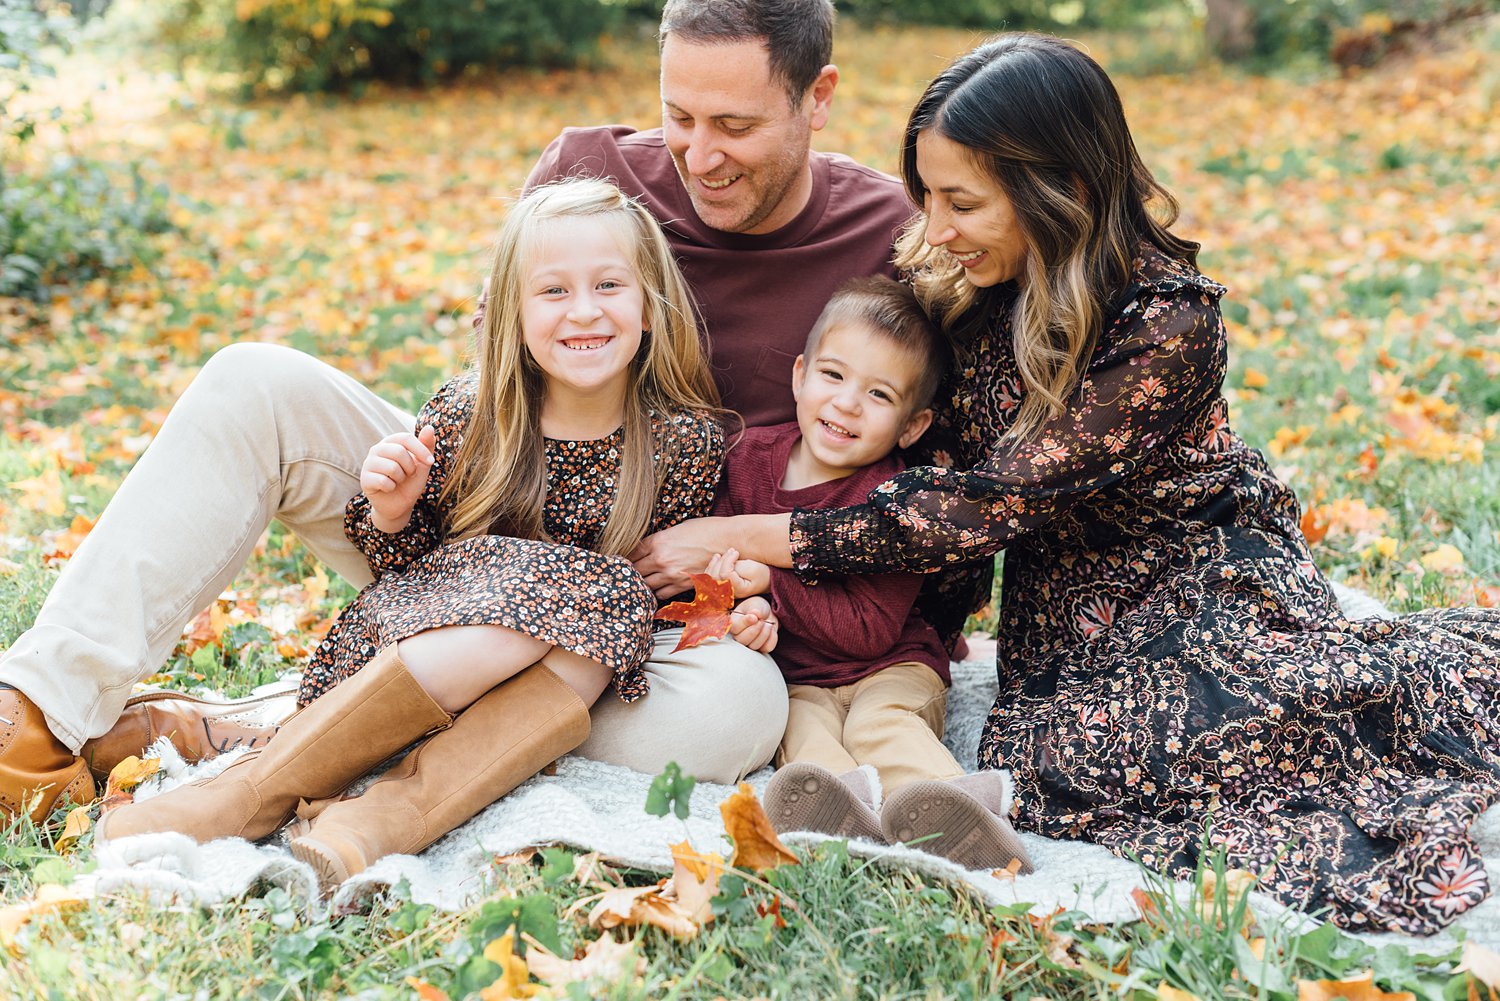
(739, 145)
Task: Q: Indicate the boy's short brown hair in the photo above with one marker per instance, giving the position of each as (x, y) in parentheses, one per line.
(890, 308)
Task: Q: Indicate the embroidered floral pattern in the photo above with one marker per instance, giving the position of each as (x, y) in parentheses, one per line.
(1171, 663)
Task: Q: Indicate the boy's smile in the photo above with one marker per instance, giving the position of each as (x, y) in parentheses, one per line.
(854, 403)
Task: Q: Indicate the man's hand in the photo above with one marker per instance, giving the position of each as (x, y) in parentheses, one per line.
(746, 576)
(394, 476)
(753, 624)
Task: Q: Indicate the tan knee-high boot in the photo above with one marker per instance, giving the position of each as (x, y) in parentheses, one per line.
(508, 735)
(317, 753)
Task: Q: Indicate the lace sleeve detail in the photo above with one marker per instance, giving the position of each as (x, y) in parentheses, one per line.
(691, 456)
(448, 413)
(1166, 365)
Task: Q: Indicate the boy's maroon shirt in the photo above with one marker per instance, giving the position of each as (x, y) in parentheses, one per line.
(844, 627)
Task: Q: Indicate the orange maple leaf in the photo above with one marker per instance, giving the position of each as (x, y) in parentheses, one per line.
(706, 617)
(1360, 987)
(756, 845)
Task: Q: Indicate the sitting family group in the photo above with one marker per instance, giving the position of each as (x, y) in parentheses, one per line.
(708, 348)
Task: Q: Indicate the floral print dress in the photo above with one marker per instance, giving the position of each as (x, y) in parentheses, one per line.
(1172, 666)
(559, 590)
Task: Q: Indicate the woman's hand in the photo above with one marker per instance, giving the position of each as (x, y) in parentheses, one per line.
(747, 576)
(754, 625)
(394, 475)
(665, 558)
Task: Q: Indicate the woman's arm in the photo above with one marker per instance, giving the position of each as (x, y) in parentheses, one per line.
(1161, 373)
(665, 558)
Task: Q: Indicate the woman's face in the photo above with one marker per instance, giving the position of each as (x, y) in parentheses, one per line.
(968, 214)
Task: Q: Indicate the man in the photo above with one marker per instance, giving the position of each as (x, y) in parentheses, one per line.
(765, 229)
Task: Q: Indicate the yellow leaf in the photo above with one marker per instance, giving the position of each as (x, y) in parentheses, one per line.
(1443, 559)
(1255, 379)
(1357, 988)
(43, 493)
(125, 777)
(756, 845)
(1165, 992)
(695, 881)
(514, 980)
(48, 897)
(74, 827)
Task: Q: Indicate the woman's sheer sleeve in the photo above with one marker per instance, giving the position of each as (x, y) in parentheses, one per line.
(694, 459)
(448, 413)
(1132, 400)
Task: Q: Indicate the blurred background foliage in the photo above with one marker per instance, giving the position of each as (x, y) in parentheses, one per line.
(316, 45)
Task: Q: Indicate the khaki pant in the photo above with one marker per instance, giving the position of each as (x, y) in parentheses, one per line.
(892, 720)
(267, 432)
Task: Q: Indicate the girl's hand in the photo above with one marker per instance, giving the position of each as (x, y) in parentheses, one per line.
(747, 576)
(753, 624)
(394, 476)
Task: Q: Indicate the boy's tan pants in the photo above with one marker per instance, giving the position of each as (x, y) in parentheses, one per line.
(267, 432)
(892, 720)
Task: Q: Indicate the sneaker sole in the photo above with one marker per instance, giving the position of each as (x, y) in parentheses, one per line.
(803, 797)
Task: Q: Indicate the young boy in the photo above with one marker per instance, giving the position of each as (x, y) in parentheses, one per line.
(866, 677)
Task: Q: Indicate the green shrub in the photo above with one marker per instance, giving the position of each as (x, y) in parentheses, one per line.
(72, 219)
(319, 45)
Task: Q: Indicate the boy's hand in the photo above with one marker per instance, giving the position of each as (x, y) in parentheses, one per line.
(394, 476)
(753, 624)
(747, 576)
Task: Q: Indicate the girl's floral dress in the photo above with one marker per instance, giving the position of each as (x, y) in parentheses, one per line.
(1172, 666)
(559, 590)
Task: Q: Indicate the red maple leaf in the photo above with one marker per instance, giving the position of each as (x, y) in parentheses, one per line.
(706, 617)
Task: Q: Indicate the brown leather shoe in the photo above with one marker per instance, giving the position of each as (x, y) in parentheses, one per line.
(199, 728)
(37, 770)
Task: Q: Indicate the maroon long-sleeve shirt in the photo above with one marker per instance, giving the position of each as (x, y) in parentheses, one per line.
(844, 627)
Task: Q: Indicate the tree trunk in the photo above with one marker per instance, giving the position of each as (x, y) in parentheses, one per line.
(1230, 28)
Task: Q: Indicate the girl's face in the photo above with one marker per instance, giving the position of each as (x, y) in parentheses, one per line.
(968, 214)
(582, 307)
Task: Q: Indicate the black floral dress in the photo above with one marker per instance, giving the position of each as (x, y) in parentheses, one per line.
(557, 590)
(1170, 661)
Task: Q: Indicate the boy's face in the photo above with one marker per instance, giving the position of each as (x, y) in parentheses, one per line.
(854, 398)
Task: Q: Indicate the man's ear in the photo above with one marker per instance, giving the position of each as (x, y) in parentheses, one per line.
(820, 96)
(799, 375)
(916, 426)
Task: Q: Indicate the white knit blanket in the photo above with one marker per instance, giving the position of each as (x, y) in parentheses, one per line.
(592, 806)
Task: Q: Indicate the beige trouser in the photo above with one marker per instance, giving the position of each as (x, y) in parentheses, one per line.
(892, 720)
(267, 432)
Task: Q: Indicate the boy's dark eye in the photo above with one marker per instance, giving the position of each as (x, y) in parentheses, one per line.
(880, 394)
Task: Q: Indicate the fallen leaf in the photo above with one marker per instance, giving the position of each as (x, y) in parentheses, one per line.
(695, 880)
(756, 845)
(1237, 883)
(604, 961)
(514, 980)
(1166, 992)
(1481, 964)
(1357, 988)
(522, 857)
(125, 777)
(636, 905)
(66, 543)
(48, 897)
(1009, 872)
(706, 617)
(425, 991)
(1443, 559)
(75, 827)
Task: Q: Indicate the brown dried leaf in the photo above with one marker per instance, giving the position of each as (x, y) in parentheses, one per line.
(48, 897)
(604, 961)
(695, 880)
(125, 777)
(756, 845)
(636, 905)
(1481, 964)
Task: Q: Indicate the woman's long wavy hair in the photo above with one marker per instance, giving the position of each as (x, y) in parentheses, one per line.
(499, 480)
(1043, 120)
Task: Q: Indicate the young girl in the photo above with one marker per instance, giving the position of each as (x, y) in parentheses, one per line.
(503, 604)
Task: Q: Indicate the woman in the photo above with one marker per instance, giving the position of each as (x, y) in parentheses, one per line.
(1170, 660)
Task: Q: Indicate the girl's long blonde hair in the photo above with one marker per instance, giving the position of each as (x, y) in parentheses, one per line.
(1043, 120)
(499, 480)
